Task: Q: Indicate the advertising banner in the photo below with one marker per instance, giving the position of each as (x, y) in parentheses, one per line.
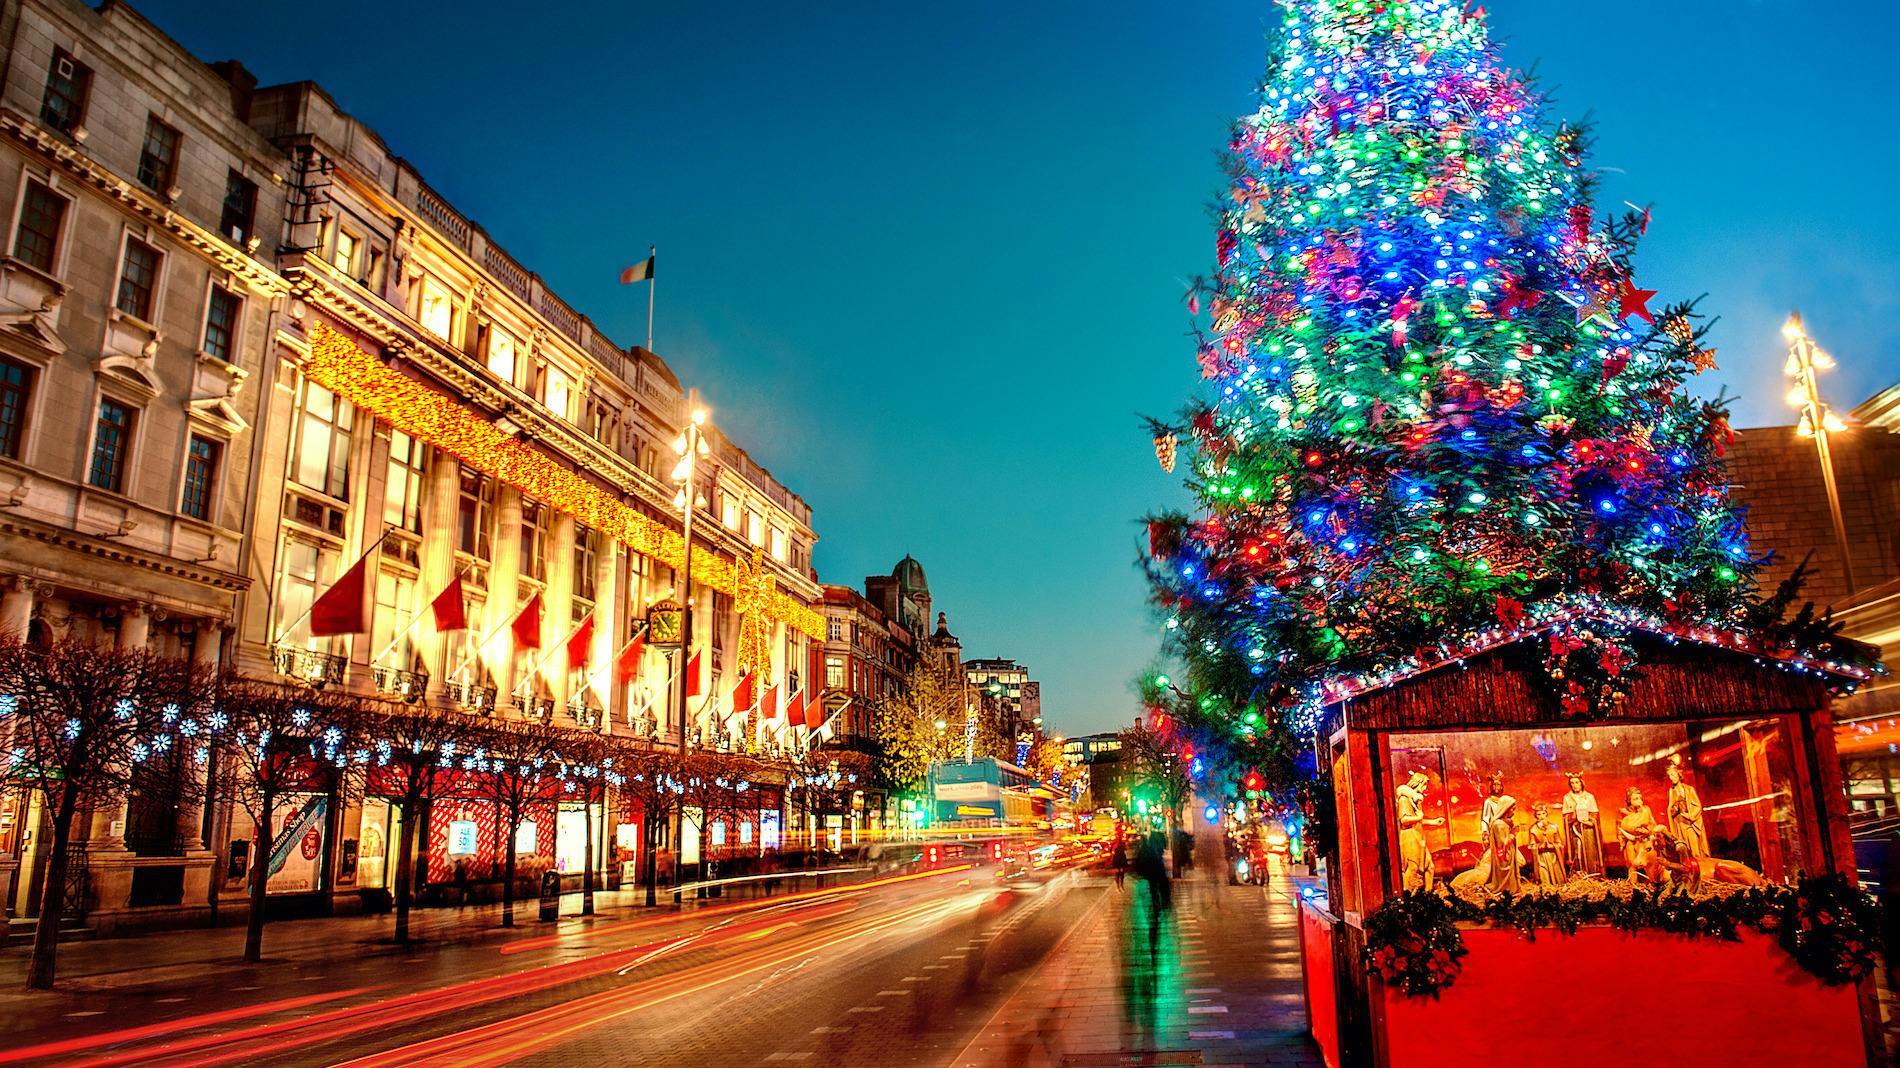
(296, 850)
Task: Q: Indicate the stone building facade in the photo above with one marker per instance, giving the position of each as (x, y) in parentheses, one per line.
(244, 346)
(137, 299)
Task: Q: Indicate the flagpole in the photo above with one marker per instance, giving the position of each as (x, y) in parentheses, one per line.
(652, 281)
(560, 647)
(373, 546)
(417, 621)
(486, 638)
(587, 681)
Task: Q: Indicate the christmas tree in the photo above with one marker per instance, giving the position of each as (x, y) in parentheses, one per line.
(1437, 400)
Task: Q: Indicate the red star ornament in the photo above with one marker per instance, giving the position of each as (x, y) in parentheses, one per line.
(1634, 301)
(1517, 295)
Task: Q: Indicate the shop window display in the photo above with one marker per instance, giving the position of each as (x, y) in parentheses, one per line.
(1709, 807)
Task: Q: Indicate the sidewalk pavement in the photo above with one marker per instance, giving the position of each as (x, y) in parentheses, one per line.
(193, 953)
(1216, 981)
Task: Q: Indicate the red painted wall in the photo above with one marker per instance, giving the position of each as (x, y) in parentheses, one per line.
(1605, 997)
(1322, 1009)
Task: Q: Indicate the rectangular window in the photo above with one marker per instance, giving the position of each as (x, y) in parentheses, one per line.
(221, 321)
(138, 279)
(721, 613)
(240, 207)
(534, 557)
(320, 457)
(344, 258)
(755, 528)
(111, 442)
(67, 83)
(729, 510)
(557, 392)
(436, 309)
(586, 562)
(395, 610)
(475, 522)
(501, 355)
(402, 489)
(834, 673)
(42, 212)
(778, 544)
(201, 474)
(16, 388)
(304, 563)
(158, 157)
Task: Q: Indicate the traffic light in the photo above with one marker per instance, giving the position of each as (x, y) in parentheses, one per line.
(996, 851)
(933, 854)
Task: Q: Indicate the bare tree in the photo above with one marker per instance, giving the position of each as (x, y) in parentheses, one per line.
(514, 765)
(653, 779)
(1155, 763)
(276, 740)
(407, 750)
(80, 720)
(827, 779)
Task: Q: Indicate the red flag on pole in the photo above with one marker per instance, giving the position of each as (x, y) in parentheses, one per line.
(627, 664)
(742, 694)
(527, 624)
(768, 708)
(692, 675)
(795, 710)
(448, 607)
(580, 644)
(343, 608)
(815, 711)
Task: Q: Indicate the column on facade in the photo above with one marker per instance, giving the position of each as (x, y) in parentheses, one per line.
(441, 500)
(207, 655)
(560, 604)
(610, 624)
(135, 625)
(504, 574)
(16, 606)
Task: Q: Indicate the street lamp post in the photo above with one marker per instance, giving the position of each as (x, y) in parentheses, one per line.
(690, 446)
(1805, 362)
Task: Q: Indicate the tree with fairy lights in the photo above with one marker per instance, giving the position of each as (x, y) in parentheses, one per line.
(1438, 401)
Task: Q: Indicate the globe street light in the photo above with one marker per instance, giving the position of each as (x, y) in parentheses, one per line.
(1805, 362)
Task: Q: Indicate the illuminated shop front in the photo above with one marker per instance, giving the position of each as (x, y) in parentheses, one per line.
(1471, 805)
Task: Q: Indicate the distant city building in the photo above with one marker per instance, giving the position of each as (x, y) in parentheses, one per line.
(867, 659)
(1007, 686)
(1086, 748)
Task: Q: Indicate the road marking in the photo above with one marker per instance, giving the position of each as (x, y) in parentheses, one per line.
(829, 1030)
(171, 1001)
(868, 1008)
(789, 1057)
(892, 993)
(1200, 1010)
(1203, 990)
(1204, 1035)
(935, 967)
(915, 979)
(88, 1012)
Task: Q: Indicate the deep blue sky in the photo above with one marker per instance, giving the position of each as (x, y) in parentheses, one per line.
(926, 260)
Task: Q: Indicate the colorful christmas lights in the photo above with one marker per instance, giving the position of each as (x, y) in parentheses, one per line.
(1441, 413)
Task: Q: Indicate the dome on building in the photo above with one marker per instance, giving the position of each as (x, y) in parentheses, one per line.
(910, 575)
